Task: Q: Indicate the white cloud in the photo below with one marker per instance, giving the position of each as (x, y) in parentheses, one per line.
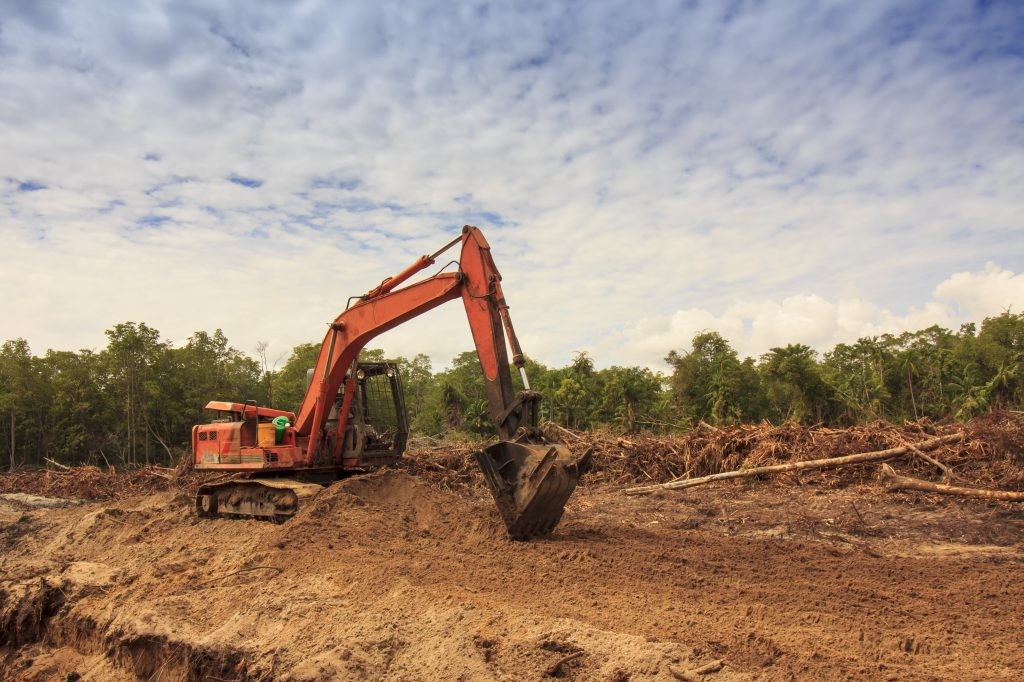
(987, 292)
(626, 160)
(753, 326)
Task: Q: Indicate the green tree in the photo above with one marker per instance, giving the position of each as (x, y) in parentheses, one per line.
(1000, 350)
(794, 385)
(463, 385)
(859, 374)
(290, 380)
(454, 405)
(205, 368)
(928, 369)
(372, 355)
(710, 383)
(16, 394)
(77, 427)
(417, 379)
(630, 397)
(131, 358)
(573, 398)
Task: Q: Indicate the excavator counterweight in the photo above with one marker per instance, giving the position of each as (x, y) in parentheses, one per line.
(352, 417)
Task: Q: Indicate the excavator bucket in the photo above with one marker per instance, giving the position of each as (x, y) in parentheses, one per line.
(530, 484)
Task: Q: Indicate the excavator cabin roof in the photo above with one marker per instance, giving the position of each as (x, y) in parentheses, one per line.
(246, 410)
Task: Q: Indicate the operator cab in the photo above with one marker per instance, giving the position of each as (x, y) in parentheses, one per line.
(377, 428)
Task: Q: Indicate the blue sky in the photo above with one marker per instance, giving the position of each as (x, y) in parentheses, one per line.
(778, 171)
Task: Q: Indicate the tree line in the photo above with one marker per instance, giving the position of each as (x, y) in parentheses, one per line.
(135, 401)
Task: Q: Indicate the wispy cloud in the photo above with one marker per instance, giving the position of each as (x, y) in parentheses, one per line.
(152, 220)
(633, 163)
(251, 183)
(30, 186)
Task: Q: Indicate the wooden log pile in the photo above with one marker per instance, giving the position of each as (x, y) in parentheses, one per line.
(95, 483)
(989, 453)
(807, 465)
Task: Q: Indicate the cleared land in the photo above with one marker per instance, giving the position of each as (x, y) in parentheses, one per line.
(407, 574)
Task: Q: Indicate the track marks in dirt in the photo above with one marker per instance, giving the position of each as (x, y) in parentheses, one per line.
(385, 576)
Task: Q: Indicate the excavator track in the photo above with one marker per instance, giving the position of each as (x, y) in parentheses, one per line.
(276, 499)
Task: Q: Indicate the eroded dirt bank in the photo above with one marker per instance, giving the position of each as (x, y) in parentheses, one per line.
(385, 576)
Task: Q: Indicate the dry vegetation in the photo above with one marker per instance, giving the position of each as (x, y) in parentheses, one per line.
(991, 453)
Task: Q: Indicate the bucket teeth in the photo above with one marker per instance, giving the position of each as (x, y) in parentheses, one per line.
(530, 484)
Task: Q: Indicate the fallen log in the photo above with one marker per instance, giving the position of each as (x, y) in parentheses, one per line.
(830, 463)
(946, 471)
(894, 481)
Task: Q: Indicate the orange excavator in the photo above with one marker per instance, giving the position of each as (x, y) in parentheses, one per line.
(352, 417)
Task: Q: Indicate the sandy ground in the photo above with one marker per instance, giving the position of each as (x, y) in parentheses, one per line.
(384, 576)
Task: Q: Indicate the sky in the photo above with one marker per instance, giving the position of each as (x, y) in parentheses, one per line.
(780, 172)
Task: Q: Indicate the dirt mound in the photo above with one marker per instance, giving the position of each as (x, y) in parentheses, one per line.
(393, 502)
(387, 577)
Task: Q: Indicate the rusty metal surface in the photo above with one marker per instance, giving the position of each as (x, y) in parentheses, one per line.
(248, 411)
(530, 484)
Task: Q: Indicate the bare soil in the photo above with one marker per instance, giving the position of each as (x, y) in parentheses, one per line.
(389, 576)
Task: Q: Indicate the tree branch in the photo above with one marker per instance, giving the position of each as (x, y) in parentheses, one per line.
(829, 463)
(894, 481)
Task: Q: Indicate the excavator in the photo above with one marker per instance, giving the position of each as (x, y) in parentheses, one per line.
(352, 417)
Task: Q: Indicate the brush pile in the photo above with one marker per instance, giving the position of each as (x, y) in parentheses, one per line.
(991, 453)
(94, 483)
(449, 466)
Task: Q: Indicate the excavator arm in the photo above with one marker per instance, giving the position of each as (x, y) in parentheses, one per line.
(478, 284)
(529, 478)
(348, 335)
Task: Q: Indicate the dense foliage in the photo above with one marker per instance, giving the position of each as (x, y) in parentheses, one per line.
(136, 400)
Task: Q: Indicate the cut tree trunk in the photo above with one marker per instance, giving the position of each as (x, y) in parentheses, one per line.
(830, 463)
(894, 481)
(12, 441)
